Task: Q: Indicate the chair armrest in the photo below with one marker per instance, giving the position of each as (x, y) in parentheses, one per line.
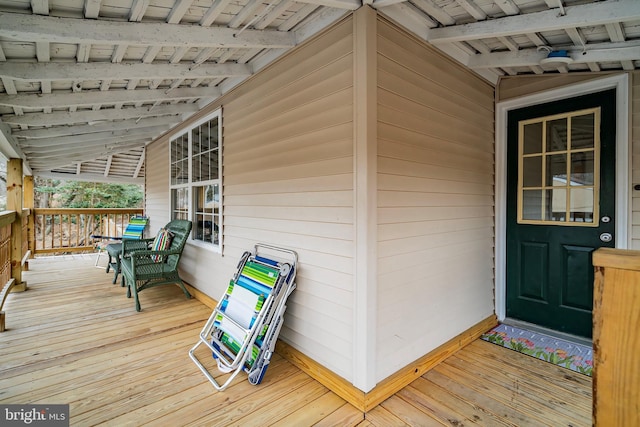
(140, 254)
(130, 245)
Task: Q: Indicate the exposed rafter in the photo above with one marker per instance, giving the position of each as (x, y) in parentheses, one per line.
(600, 13)
(114, 96)
(63, 118)
(121, 71)
(36, 28)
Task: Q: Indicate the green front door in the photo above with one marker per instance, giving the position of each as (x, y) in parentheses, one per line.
(560, 208)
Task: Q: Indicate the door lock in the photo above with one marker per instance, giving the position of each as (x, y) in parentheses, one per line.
(606, 237)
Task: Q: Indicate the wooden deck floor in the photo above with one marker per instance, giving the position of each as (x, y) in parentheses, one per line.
(75, 338)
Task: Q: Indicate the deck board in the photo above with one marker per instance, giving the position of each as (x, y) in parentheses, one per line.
(75, 338)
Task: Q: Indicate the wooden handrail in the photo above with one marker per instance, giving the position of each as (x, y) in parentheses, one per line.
(63, 230)
(7, 218)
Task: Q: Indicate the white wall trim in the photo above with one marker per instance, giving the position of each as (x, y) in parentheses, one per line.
(365, 198)
(619, 82)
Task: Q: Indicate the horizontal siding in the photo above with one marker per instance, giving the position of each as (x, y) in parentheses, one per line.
(157, 196)
(288, 181)
(635, 160)
(435, 200)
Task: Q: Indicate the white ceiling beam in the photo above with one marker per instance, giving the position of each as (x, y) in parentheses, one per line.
(616, 32)
(244, 13)
(108, 165)
(88, 177)
(84, 152)
(43, 52)
(118, 71)
(95, 136)
(65, 118)
(9, 147)
(213, 12)
(508, 7)
(138, 9)
(272, 15)
(530, 57)
(92, 8)
(586, 15)
(435, 11)
(473, 9)
(72, 147)
(412, 18)
(298, 17)
(35, 28)
(338, 4)
(379, 4)
(179, 9)
(106, 126)
(40, 7)
(140, 164)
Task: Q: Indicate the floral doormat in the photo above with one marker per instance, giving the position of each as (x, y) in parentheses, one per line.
(576, 357)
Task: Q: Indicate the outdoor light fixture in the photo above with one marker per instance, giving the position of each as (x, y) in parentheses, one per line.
(557, 57)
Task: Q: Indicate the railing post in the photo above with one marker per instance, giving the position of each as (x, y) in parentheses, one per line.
(29, 203)
(15, 203)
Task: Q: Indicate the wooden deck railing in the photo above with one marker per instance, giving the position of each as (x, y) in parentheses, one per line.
(7, 282)
(50, 231)
(70, 230)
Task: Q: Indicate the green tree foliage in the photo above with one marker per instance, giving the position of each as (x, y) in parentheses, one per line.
(77, 194)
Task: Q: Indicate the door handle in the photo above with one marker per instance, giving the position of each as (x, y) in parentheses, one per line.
(606, 237)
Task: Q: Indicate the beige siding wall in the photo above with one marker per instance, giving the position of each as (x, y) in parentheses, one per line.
(157, 197)
(435, 199)
(288, 181)
(288, 164)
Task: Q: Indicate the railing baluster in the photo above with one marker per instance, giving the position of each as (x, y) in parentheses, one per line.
(79, 225)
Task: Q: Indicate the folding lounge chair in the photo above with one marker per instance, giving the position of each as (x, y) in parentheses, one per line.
(243, 329)
(113, 245)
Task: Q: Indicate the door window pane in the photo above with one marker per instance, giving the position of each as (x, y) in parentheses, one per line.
(532, 171)
(556, 170)
(558, 184)
(582, 131)
(532, 136)
(557, 135)
(532, 204)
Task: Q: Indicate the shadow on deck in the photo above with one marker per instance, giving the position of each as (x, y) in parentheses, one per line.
(74, 338)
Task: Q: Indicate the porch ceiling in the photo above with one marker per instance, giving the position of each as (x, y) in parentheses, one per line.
(86, 84)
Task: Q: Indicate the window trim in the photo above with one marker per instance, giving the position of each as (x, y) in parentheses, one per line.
(190, 185)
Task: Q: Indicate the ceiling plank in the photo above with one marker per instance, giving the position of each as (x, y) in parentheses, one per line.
(119, 71)
(36, 28)
(65, 118)
(600, 13)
